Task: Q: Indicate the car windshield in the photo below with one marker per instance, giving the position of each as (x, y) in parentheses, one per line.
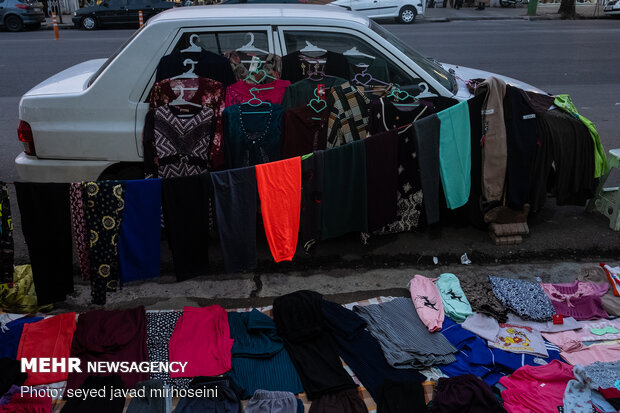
(434, 69)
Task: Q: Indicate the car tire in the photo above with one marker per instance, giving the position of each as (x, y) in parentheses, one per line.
(88, 23)
(14, 23)
(407, 15)
(35, 26)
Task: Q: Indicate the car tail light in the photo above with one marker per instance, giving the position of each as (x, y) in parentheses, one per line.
(22, 6)
(24, 133)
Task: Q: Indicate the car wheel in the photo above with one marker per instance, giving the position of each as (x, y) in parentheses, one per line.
(14, 24)
(35, 26)
(88, 23)
(407, 15)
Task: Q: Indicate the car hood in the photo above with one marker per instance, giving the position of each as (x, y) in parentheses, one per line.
(466, 73)
(72, 80)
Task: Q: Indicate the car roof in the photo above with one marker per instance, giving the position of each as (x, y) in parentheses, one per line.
(274, 13)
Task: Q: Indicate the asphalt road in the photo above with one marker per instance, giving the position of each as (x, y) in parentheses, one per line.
(575, 57)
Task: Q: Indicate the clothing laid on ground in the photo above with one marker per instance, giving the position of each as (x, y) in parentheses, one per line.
(344, 211)
(185, 202)
(361, 351)
(427, 302)
(279, 190)
(494, 149)
(152, 402)
(381, 153)
(521, 143)
(210, 65)
(242, 92)
(175, 145)
(252, 138)
(263, 401)
(405, 340)
(483, 325)
(519, 339)
(104, 214)
(400, 397)
(600, 330)
(6, 236)
(11, 333)
(578, 396)
(303, 131)
(603, 375)
(455, 154)
(159, 328)
(235, 194)
(295, 66)
(49, 240)
(525, 298)
(580, 300)
(259, 360)
(199, 91)
(102, 396)
(78, 226)
(300, 322)
(536, 389)
(301, 92)
(479, 293)
(342, 401)
(47, 338)
(98, 338)
(201, 338)
(455, 302)
(140, 236)
(219, 397)
(611, 303)
(466, 393)
(312, 169)
(27, 403)
(568, 323)
(11, 374)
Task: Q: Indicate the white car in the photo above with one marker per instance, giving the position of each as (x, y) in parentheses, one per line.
(85, 123)
(405, 11)
(612, 8)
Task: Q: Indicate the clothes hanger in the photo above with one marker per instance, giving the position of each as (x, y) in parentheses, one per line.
(364, 78)
(251, 73)
(255, 102)
(309, 48)
(180, 100)
(354, 52)
(321, 104)
(193, 47)
(190, 73)
(249, 46)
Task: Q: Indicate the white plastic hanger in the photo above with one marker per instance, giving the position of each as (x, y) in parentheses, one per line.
(354, 52)
(180, 100)
(193, 47)
(190, 73)
(312, 48)
(249, 46)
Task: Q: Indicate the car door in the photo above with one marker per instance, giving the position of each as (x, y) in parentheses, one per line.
(369, 8)
(216, 40)
(113, 12)
(2, 9)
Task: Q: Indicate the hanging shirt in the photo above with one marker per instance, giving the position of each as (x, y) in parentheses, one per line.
(312, 169)
(295, 65)
(78, 225)
(455, 154)
(272, 92)
(301, 92)
(176, 146)
(303, 131)
(271, 64)
(209, 93)
(348, 115)
(210, 65)
(279, 189)
(252, 139)
(578, 299)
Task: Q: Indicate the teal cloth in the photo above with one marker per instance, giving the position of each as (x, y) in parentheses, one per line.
(259, 359)
(344, 204)
(455, 154)
(455, 302)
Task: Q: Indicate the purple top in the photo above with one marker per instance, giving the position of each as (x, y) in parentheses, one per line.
(580, 300)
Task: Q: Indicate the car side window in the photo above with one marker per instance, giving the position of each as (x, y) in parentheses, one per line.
(221, 42)
(358, 52)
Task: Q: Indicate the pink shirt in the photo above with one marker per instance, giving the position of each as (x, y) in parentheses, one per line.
(239, 92)
(572, 340)
(427, 302)
(590, 354)
(580, 300)
(536, 389)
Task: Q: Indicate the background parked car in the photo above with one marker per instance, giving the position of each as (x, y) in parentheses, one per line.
(118, 13)
(15, 14)
(612, 8)
(404, 11)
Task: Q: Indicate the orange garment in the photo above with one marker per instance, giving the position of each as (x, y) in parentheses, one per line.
(50, 337)
(279, 189)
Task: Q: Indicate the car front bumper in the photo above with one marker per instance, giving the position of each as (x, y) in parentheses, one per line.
(76, 20)
(33, 169)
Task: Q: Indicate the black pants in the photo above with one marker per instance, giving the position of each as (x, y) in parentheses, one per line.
(46, 224)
